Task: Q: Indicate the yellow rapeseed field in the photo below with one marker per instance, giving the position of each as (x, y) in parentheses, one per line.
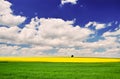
(59, 59)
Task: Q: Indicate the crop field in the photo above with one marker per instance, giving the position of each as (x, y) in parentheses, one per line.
(59, 70)
(59, 59)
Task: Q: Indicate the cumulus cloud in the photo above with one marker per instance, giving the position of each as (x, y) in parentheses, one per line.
(11, 20)
(53, 36)
(108, 42)
(60, 35)
(5, 7)
(6, 15)
(116, 33)
(68, 1)
(8, 50)
(88, 49)
(73, 51)
(47, 33)
(9, 34)
(112, 52)
(50, 31)
(96, 25)
(17, 51)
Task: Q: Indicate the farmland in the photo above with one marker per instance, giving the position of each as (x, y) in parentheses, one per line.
(59, 70)
(59, 59)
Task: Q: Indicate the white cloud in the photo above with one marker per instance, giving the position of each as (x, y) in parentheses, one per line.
(6, 15)
(17, 51)
(111, 46)
(34, 51)
(96, 25)
(88, 52)
(112, 52)
(112, 33)
(109, 42)
(9, 34)
(53, 34)
(5, 7)
(73, 51)
(11, 20)
(8, 50)
(100, 26)
(88, 24)
(68, 1)
(62, 32)
(57, 34)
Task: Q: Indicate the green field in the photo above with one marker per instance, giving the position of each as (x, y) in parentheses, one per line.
(47, 70)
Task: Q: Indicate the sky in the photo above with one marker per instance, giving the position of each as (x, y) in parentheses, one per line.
(83, 28)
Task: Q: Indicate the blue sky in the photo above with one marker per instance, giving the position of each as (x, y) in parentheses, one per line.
(84, 11)
(60, 27)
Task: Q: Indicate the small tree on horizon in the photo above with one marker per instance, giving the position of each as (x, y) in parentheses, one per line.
(72, 55)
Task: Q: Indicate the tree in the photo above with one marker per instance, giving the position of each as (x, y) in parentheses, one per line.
(72, 55)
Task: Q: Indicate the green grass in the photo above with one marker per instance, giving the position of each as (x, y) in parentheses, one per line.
(37, 70)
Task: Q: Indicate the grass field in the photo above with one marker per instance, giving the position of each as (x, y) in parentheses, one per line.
(54, 70)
